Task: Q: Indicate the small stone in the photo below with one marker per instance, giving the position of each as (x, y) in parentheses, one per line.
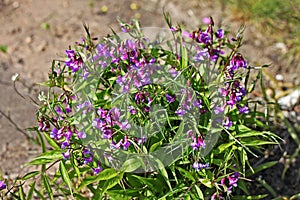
(279, 77)
(42, 46)
(134, 6)
(28, 39)
(16, 5)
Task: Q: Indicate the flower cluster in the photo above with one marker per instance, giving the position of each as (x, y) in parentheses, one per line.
(125, 100)
(227, 183)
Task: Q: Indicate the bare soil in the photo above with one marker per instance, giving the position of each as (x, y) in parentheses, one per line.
(37, 31)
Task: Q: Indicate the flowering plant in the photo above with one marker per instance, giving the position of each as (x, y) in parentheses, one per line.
(162, 116)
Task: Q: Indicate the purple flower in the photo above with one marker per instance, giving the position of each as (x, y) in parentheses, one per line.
(54, 133)
(170, 99)
(206, 20)
(2, 185)
(85, 74)
(107, 133)
(131, 110)
(98, 169)
(125, 125)
(197, 166)
(114, 145)
(218, 110)
(67, 154)
(74, 62)
(99, 123)
(68, 134)
(197, 143)
(43, 125)
(224, 92)
(190, 133)
(141, 140)
(173, 72)
(233, 179)
(65, 144)
(201, 55)
(220, 33)
(180, 112)
(174, 29)
(204, 38)
(236, 62)
(81, 135)
(227, 123)
(243, 110)
(87, 156)
(114, 114)
(126, 143)
(197, 103)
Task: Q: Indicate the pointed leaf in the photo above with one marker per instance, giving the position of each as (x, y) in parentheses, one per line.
(47, 186)
(65, 176)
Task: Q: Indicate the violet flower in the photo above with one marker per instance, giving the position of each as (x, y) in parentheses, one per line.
(2, 185)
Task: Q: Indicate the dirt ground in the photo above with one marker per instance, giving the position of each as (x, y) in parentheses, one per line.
(37, 31)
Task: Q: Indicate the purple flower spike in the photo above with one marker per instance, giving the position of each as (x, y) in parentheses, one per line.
(98, 169)
(114, 145)
(233, 179)
(170, 99)
(125, 125)
(197, 166)
(67, 154)
(2, 185)
(197, 143)
(81, 135)
(131, 110)
(236, 62)
(126, 143)
(65, 144)
(243, 110)
(218, 110)
(227, 124)
(74, 62)
(54, 133)
(220, 33)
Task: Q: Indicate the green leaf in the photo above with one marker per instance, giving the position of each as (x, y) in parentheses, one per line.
(199, 192)
(155, 146)
(150, 183)
(261, 196)
(161, 168)
(261, 167)
(121, 194)
(51, 141)
(39, 161)
(47, 186)
(30, 175)
(79, 197)
(222, 147)
(104, 175)
(186, 174)
(65, 176)
(110, 183)
(39, 194)
(30, 192)
(183, 57)
(47, 157)
(53, 155)
(256, 142)
(131, 165)
(21, 193)
(206, 182)
(3, 48)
